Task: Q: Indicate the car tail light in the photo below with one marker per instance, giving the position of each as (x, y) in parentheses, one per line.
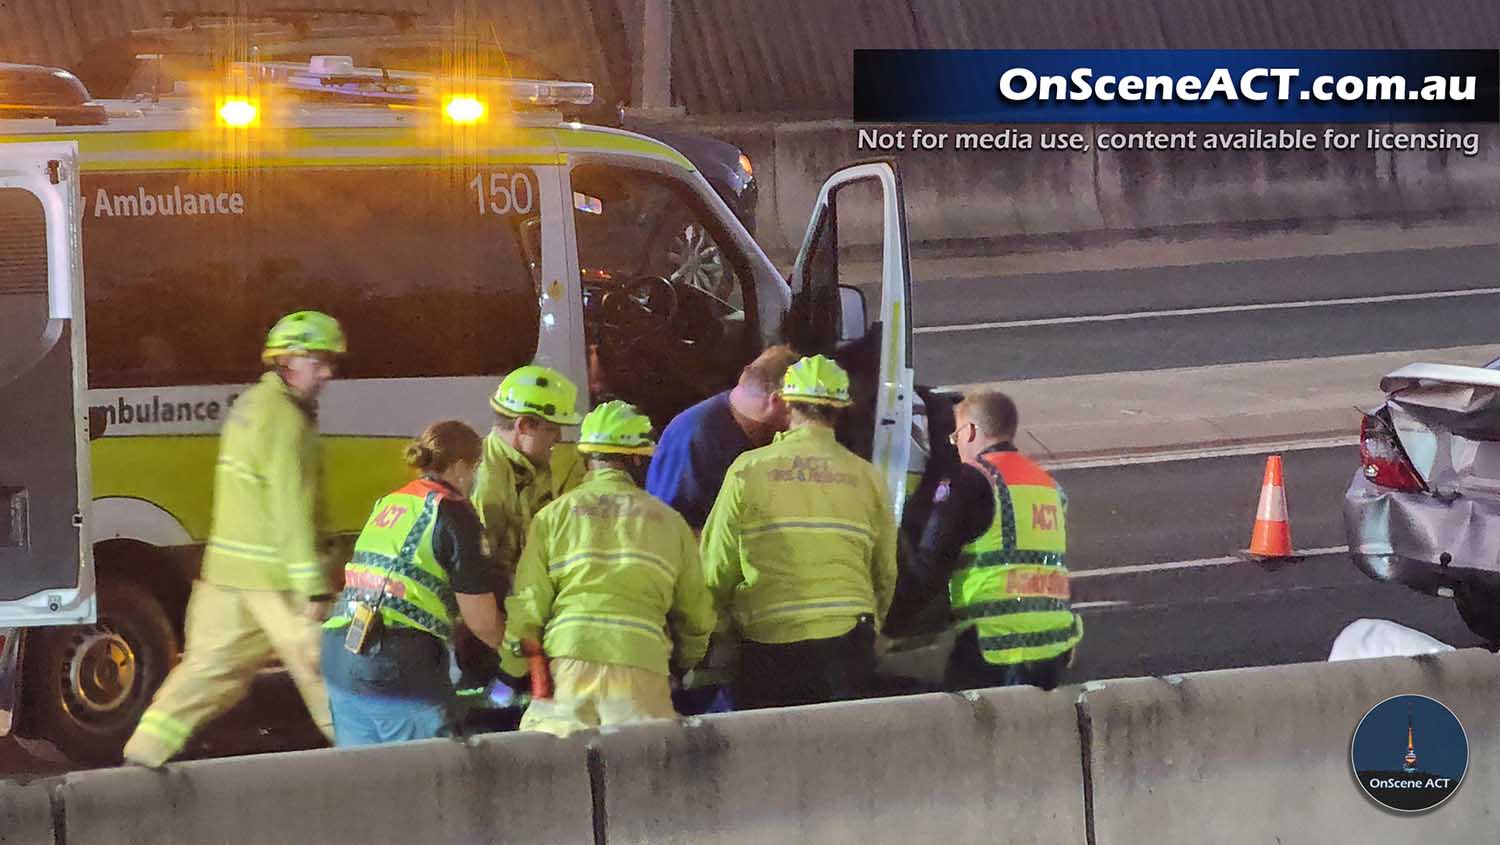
(1385, 464)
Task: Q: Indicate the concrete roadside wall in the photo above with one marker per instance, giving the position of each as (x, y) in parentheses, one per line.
(1435, 181)
(1239, 756)
(1262, 755)
(25, 815)
(988, 767)
(508, 788)
(1010, 196)
(1162, 189)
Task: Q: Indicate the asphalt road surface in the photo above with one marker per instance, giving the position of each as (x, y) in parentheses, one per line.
(1152, 550)
(1060, 324)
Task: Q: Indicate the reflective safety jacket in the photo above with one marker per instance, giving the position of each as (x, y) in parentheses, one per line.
(508, 492)
(605, 567)
(394, 555)
(1012, 582)
(265, 506)
(800, 540)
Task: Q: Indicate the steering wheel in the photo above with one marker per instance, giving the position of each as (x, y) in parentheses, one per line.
(647, 303)
(637, 341)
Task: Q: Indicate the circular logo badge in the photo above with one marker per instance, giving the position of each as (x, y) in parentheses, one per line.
(1409, 753)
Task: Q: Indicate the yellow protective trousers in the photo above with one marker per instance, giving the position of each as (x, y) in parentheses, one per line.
(231, 634)
(587, 694)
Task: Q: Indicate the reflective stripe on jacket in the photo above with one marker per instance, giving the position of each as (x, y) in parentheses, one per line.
(604, 569)
(508, 492)
(1012, 581)
(800, 540)
(265, 506)
(394, 554)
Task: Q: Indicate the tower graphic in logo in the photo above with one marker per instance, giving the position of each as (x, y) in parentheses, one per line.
(1409, 763)
(1399, 781)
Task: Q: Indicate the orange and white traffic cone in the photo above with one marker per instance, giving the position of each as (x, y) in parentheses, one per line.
(1271, 539)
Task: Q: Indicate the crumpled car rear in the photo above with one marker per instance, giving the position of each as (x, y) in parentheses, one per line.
(1445, 532)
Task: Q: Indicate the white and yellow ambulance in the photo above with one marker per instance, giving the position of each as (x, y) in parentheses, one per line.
(456, 229)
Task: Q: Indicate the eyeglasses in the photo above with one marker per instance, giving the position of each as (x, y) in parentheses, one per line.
(953, 438)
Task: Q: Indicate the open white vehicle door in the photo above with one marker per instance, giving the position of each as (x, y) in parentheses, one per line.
(877, 354)
(46, 560)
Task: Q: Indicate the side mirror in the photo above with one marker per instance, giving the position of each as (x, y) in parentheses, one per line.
(852, 316)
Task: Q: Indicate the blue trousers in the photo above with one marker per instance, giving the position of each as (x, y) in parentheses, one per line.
(364, 719)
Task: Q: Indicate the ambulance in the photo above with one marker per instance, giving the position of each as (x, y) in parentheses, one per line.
(457, 229)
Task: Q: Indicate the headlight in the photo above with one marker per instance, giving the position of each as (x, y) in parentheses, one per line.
(745, 165)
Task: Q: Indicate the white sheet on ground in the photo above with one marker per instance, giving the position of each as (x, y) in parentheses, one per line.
(1382, 638)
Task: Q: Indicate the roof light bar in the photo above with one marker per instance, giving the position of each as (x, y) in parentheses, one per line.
(238, 112)
(337, 75)
(36, 91)
(465, 110)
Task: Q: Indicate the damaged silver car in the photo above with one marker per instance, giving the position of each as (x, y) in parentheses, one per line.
(1424, 508)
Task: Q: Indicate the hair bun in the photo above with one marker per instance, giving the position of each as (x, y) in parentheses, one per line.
(443, 444)
(419, 455)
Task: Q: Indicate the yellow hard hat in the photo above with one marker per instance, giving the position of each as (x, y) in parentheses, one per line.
(534, 390)
(616, 427)
(301, 332)
(816, 380)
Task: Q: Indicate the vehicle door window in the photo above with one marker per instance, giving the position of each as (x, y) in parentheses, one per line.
(666, 315)
(853, 208)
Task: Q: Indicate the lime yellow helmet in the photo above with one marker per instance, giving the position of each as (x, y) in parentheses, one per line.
(616, 427)
(539, 391)
(816, 380)
(301, 332)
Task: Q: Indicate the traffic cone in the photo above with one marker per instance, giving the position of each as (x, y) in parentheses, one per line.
(1271, 539)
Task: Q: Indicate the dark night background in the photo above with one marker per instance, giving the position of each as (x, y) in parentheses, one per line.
(1380, 744)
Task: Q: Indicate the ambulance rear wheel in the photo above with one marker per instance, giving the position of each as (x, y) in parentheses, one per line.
(86, 686)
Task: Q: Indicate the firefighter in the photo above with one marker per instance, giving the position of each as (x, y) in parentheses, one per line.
(802, 544)
(687, 470)
(263, 590)
(418, 567)
(531, 406)
(605, 568)
(997, 538)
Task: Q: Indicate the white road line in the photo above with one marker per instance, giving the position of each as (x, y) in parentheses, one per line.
(1095, 605)
(1240, 450)
(1191, 564)
(1215, 309)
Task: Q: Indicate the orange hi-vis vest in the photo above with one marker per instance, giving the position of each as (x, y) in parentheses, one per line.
(1012, 582)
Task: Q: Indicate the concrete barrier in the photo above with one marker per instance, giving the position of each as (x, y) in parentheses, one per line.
(1239, 756)
(1262, 755)
(1440, 181)
(517, 787)
(992, 766)
(1153, 189)
(25, 814)
(1010, 196)
(950, 194)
